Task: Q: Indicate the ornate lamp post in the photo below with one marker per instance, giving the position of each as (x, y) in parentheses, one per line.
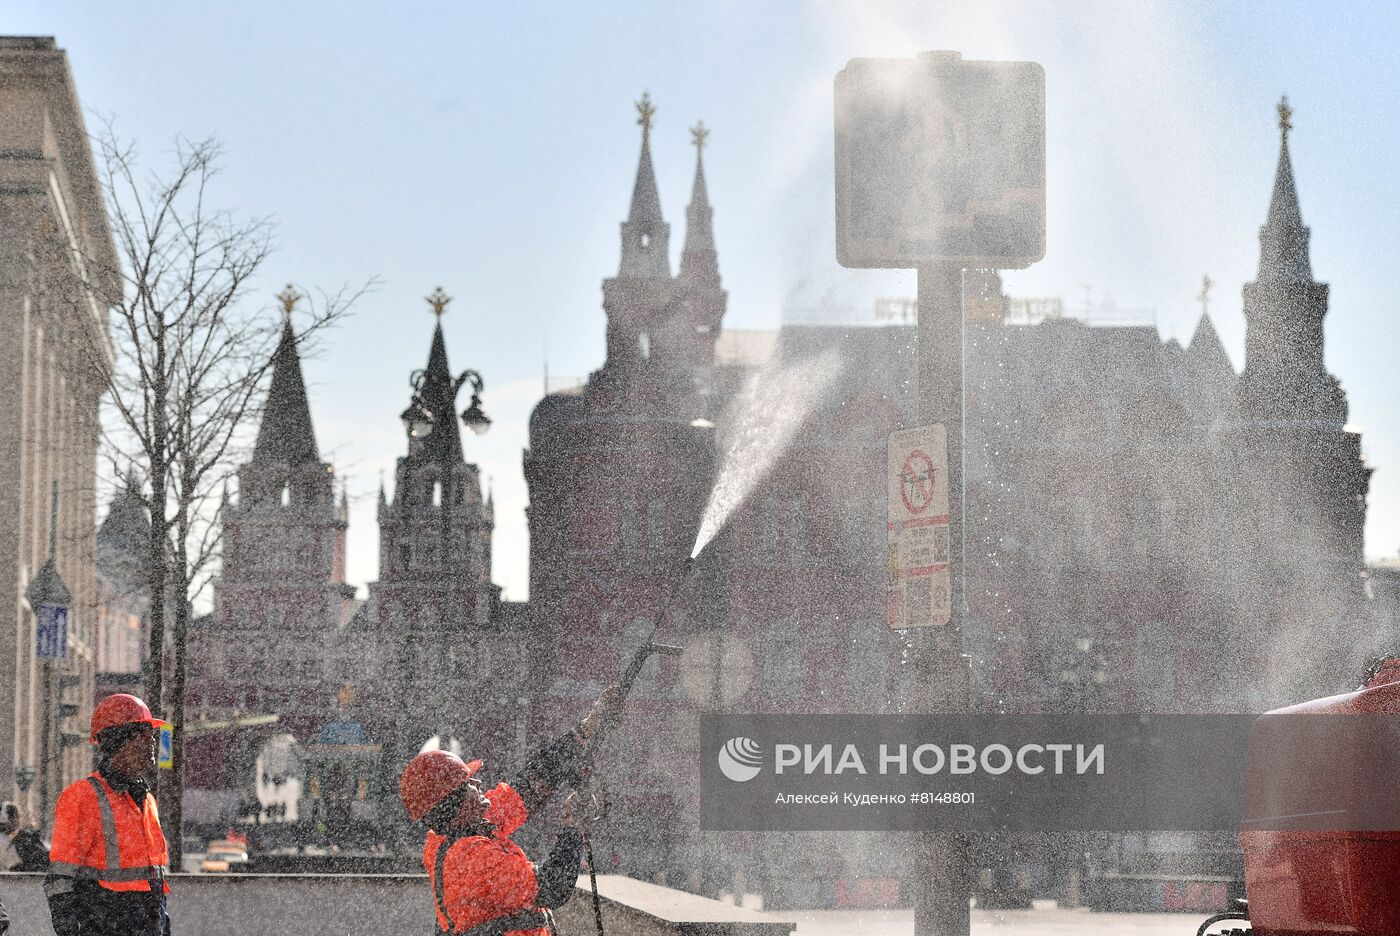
(49, 598)
(418, 418)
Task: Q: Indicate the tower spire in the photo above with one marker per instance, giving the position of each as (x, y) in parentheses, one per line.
(286, 434)
(1283, 240)
(1285, 375)
(645, 233)
(699, 262)
(444, 443)
(1206, 348)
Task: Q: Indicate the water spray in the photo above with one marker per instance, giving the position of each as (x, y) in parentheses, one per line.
(767, 414)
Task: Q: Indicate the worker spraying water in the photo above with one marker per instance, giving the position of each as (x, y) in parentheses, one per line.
(762, 421)
(482, 882)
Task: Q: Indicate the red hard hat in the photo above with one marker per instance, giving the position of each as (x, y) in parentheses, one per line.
(430, 778)
(120, 709)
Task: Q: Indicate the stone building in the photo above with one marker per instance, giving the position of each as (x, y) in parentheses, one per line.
(430, 657)
(281, 599)
(618, 471)
(440, 656)
(58, 274)
(1199, 531)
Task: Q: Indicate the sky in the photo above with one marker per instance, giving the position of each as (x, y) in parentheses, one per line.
(490, 149)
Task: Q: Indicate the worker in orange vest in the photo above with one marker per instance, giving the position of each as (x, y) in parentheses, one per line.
(107, 864)
(483, 884)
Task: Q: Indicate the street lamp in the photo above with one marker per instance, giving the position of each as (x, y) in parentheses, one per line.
(419, 420)
(49, 598)
(473, 417)
(24, 776)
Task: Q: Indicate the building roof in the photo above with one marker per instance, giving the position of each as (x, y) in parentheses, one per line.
(1016, 374)
(444, 444)
(286, 435)
(1283, 240)
(645, 234)
(646, 200)
(126, 530)
(699, 261)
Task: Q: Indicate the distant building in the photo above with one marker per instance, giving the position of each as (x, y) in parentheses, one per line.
(1383, 584)
(123, 592)
(270, 644)
(437, 660)
(618, 472)
(58, 267)
(1202, 531)
(432, 657)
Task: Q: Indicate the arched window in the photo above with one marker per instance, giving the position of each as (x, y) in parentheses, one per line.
(286, 494)
(437, 493)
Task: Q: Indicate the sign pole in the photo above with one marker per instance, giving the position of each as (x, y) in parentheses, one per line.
(940, 165)
(942, 860)
(45, 743)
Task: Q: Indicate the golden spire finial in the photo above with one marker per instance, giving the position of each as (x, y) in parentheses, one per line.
(698, 134)
(1285, 116)
(289, 298)
(1204, 295)
(645, 112)
(438, 300)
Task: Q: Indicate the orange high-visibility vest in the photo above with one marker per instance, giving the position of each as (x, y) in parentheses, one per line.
(483, 877)
(103, 836)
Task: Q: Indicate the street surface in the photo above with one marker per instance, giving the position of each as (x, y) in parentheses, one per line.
(1044, 922)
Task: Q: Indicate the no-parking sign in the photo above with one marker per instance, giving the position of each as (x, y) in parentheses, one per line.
(920, 578)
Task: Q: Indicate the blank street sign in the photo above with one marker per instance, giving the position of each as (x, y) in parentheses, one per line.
(939, 160)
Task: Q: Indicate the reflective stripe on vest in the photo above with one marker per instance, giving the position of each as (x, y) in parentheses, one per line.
(114, 873)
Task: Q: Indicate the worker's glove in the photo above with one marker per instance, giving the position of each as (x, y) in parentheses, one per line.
(603, 715)
(582, 810)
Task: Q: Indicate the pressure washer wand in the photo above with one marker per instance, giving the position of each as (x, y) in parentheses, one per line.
(629, 676)
(650, 646)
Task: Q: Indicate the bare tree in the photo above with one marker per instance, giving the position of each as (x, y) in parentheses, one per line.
(191, 354)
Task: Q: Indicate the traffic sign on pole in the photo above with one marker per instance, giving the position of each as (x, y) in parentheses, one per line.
(51, 632)
(166, 757)
(920, 571)
(940, 166)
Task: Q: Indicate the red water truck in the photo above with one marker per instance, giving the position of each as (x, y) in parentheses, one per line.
(1323, 877)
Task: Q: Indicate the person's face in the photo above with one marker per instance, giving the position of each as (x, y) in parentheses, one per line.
(474, 805)
(137, 755)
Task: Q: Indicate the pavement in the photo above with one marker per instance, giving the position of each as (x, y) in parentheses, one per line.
(1046, 921)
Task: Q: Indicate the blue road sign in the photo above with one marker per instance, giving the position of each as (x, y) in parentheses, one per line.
(51, 635)
(167, 745)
